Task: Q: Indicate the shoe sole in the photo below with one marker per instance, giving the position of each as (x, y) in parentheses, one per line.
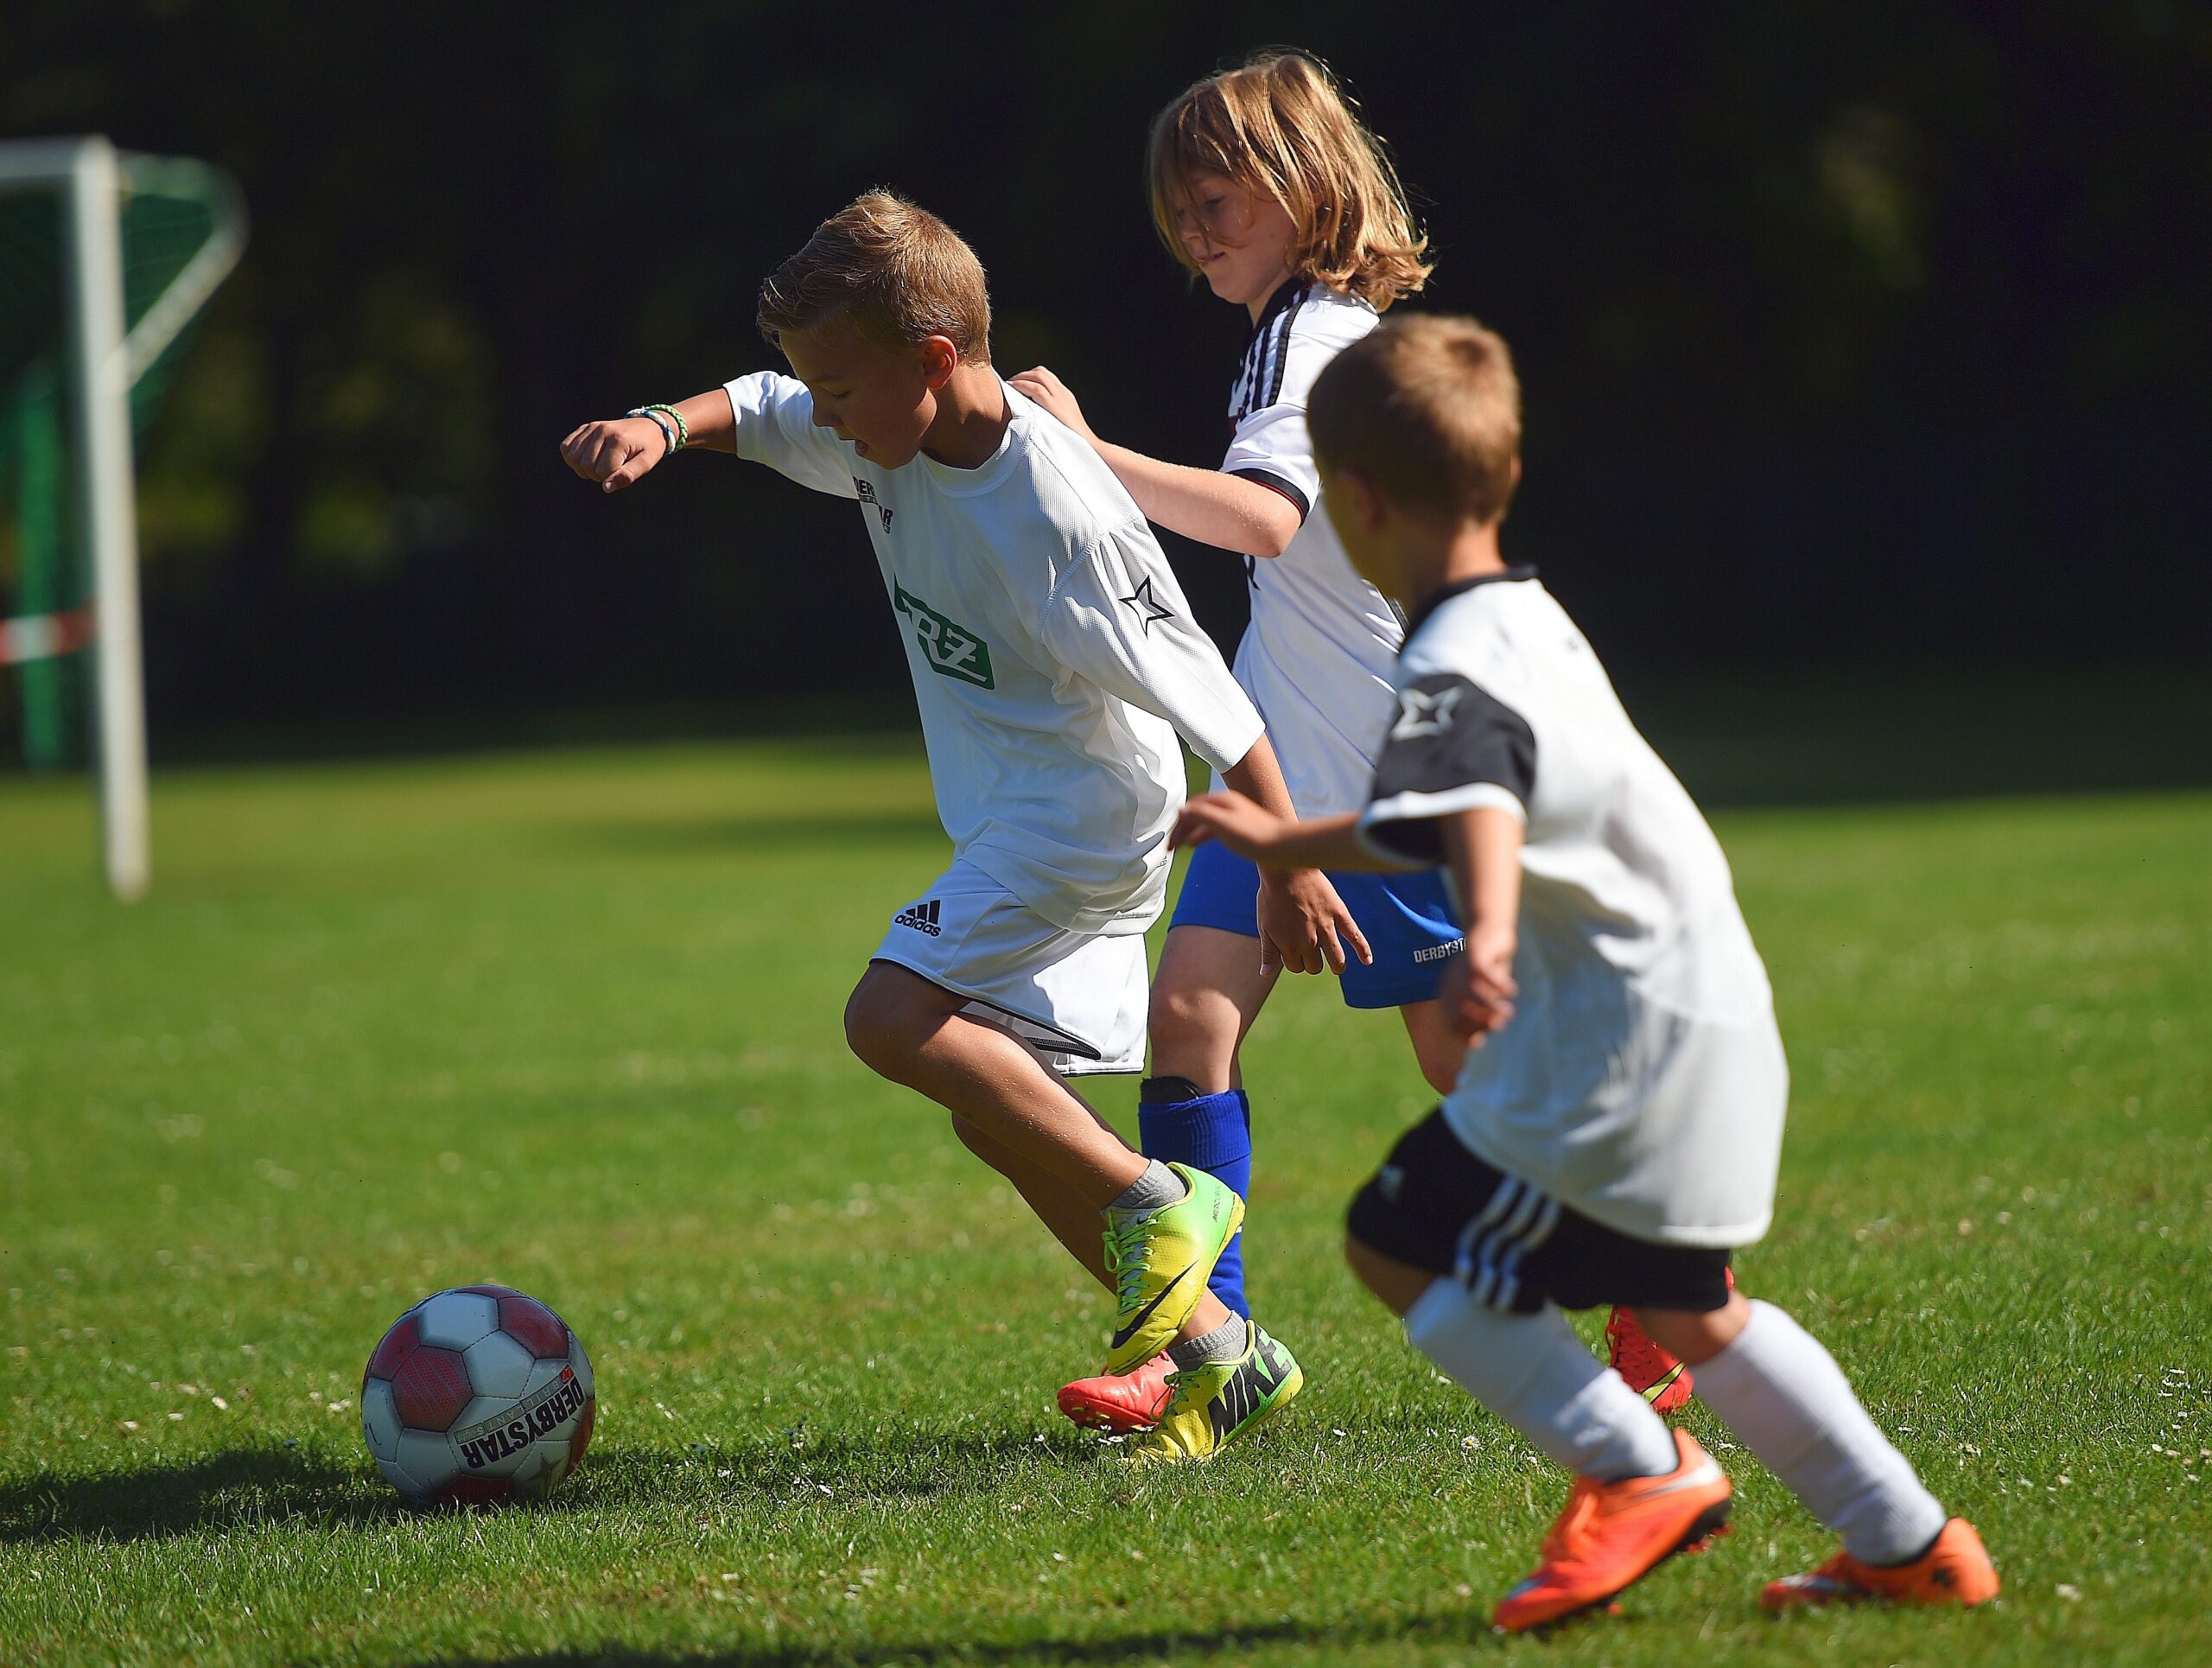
(1165, 1323)
(1709, 1526)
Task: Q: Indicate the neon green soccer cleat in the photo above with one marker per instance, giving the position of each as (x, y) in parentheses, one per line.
(1214, 1405)
(1161, 1262)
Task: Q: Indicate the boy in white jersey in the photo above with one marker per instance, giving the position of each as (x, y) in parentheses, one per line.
(1054, 662)
(1615, 1128)
(1264, 181)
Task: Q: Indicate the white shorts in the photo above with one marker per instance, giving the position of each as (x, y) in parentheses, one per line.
(1077, 998)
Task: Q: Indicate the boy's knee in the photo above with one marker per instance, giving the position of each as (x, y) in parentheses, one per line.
(1397, 1284)
(1191, 1037)
(875, 1026)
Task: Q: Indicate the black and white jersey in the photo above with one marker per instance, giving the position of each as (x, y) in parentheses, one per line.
(1641, 1079)
(1053, 657)
(1319, 654)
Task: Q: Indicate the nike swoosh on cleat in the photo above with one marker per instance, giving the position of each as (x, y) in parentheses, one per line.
(1128, 1332)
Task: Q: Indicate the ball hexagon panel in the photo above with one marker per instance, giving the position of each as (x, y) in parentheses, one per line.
(499, 1366)
(533, 1325)
(380, 1420)
(431, 1388)
(542, 1373)
(455, 1320)
(406, 1333)
(581, 1363)
(425, 1461)
(479, 1408)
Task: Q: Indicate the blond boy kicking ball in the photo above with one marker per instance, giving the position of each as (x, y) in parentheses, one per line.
(1615, 1128)
(1054, 661)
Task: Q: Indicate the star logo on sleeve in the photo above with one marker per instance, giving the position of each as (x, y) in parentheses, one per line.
(1425, 713)
(1146, 605)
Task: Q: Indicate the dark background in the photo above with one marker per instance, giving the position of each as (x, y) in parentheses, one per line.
(1862, 336)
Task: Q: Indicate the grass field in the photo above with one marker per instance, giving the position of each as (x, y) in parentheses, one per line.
(570, 1021)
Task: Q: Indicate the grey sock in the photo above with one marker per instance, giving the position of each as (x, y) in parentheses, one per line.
(1226, 1342)
(1158, 1185)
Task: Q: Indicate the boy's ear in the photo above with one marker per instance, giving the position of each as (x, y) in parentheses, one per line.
(939, 360)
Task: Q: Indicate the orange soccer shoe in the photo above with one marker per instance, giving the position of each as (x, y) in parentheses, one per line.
(1123, 1402)
(1956, 1570)
(1612, 1534)
(1647, 1369)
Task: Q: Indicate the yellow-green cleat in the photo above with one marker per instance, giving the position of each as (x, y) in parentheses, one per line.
(1215, 1404)
(1161, 1262)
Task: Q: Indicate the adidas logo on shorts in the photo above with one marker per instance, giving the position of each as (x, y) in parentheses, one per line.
(922, 918)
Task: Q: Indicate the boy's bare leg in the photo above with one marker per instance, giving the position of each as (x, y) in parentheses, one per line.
(911, 1031)
(1072, 1222)
(1207, 993)
(1440, 1051)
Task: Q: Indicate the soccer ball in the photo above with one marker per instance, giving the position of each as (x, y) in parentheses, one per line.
(478, 1393)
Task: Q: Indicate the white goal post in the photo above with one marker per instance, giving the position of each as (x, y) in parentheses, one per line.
(104, 363)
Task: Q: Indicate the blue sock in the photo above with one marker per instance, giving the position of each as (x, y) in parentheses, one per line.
(1213, 1133)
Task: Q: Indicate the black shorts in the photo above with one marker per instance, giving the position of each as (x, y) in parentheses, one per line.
(1436, 1205)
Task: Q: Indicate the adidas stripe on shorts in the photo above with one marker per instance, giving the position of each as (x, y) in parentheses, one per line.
(1436, 1205)
(1078, 997)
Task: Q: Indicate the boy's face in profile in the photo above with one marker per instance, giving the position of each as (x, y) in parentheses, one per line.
(882, 399)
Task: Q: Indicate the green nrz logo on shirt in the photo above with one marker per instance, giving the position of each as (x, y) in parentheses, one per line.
(953, 650)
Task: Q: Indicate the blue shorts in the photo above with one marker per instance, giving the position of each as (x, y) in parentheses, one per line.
(1408, 919)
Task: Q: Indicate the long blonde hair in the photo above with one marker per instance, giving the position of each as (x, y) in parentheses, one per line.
(1279, 124)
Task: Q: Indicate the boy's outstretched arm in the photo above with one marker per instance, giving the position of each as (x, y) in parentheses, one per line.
(617, 451)
(1222, 510)
(1303, 924)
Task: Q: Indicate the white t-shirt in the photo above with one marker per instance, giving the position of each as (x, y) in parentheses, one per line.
(1641, 1078)
(1319, 655)
(1054, 659)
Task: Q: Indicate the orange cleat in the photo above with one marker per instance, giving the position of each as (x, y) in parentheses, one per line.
(1955, 1571)
(1122, 1402)
(1648, 1370)
(1612, 1534)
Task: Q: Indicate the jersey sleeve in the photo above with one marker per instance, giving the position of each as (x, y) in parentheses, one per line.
(1272, 448)
(1455, 747)
(776, 426)
(1118, 618)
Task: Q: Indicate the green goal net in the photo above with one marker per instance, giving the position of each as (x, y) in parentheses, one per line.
(181, 225)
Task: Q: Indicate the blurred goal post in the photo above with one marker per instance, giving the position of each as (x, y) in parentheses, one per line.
(107, 355)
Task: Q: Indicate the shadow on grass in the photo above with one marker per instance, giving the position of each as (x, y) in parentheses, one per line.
(242, 1489)
(1469, 1631)
(253, 1487)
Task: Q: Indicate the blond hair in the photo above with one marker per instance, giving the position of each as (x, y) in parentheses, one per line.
(897, 272)
(1279, 124)
(1427, 412)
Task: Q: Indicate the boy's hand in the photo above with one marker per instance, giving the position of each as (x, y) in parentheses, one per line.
(614, 453)
(1049, 391)
(1303, 924)
(1246, 828)
(1478, 987)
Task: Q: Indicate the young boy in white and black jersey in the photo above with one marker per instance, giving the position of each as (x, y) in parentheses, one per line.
(1616, 1129)
(1054, 661)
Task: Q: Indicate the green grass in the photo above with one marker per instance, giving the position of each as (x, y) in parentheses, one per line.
(571, 1021)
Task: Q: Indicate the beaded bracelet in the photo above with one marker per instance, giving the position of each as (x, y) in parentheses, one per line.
(683, 429)
(653, 414)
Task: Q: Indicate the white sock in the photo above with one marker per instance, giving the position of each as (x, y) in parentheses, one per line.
(1533, 1372)
(1786, 1399)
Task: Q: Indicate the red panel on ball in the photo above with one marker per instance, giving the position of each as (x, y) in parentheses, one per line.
(430, 1389)
(533, 1325)
(580, 1438)
(398, 1344)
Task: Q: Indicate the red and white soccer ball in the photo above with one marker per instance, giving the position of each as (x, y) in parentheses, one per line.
(478, 1393)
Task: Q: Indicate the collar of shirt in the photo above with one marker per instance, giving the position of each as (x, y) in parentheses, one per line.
(1437, 600)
